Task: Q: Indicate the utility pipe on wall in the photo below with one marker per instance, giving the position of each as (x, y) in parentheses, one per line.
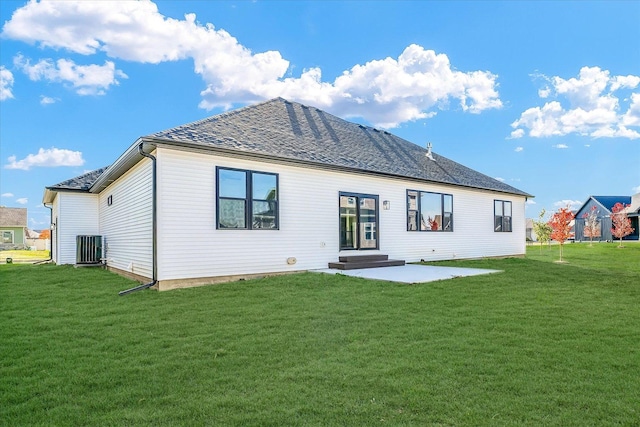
(154, 216)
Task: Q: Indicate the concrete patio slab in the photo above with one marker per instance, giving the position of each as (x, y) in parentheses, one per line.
(410, 273)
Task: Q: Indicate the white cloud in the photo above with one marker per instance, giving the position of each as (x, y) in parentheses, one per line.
(540, 121)
(585, 91)
(630, 82)
(519, 149)
(572, 204)
(35, 222)
(46, 100)
(386, 92)
(6, 84)
(560, 146)
(51, 157)
(7, 195)
(85, 79)
(518, 133)
(636, 189)
(544, 92)
(588, 105)
(530, 202)
(500, 179)
(632, 116)
(22, 200)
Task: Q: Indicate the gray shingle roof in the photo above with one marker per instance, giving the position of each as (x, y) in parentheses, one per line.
(13, 217)
(80, 183)
(289, 130)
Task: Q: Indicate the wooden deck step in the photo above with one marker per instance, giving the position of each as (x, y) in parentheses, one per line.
(363, 258)
(352, 265)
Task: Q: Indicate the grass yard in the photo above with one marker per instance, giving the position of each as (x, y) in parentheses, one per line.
(24, 255)
(542, 344)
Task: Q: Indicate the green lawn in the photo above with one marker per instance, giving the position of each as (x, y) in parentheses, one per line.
(542, 344)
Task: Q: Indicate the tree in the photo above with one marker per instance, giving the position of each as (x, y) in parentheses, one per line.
(560, 222)
(542, 229)
(591, 224)
(46, 234)
(433, 224)
(621, 222)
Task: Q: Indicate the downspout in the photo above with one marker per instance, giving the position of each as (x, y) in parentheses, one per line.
(154, 217)
(50, 236)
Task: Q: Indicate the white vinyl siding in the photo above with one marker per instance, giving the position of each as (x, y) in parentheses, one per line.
(77, 214)
(190, 246)
(127, 222)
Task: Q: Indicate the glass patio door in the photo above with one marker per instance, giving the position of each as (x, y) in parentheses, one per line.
(358, 221)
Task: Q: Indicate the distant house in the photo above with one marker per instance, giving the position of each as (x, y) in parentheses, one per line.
(13, 223)
(34, 240)
(604, 206)
(279, 187)
(530, 232)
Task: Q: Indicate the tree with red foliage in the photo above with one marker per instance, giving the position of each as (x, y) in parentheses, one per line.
(45, 234)
(621, 222)
(591, 224)
(560, 222)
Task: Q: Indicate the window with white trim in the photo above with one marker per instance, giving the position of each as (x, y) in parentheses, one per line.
(7, 236)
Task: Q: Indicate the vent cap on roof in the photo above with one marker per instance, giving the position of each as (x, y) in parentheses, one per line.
(429, 155)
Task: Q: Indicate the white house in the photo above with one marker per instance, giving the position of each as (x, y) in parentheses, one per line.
(279, 187)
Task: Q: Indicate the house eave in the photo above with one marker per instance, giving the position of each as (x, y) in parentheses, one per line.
(122, 164)
(50, 193)
(132, 156)
(201, 148)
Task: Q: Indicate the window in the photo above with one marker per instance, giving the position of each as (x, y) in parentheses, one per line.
(247, 199)
(7, 236)
(358, 221)
(502, 216)
(429, 211)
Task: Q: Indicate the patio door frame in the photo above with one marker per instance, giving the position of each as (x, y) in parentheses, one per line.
(358, 223)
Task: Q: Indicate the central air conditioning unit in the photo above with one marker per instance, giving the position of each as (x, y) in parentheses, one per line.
(90, 250)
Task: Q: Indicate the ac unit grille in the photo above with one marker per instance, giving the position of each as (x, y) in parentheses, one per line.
(89, 249)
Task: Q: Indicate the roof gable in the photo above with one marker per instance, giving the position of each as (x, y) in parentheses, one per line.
(288, 130)
(608, 202)
(13, 217)
(635, 204)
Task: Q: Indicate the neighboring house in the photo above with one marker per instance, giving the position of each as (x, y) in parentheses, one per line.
(35, 241)
(280, 187)
(45, 236)
(604, 206)
(13, 223)
(530, 234)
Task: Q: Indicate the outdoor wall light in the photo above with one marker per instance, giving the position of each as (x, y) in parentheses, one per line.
(386, 205)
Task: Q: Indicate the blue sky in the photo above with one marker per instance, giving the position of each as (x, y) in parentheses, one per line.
(542, 95)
